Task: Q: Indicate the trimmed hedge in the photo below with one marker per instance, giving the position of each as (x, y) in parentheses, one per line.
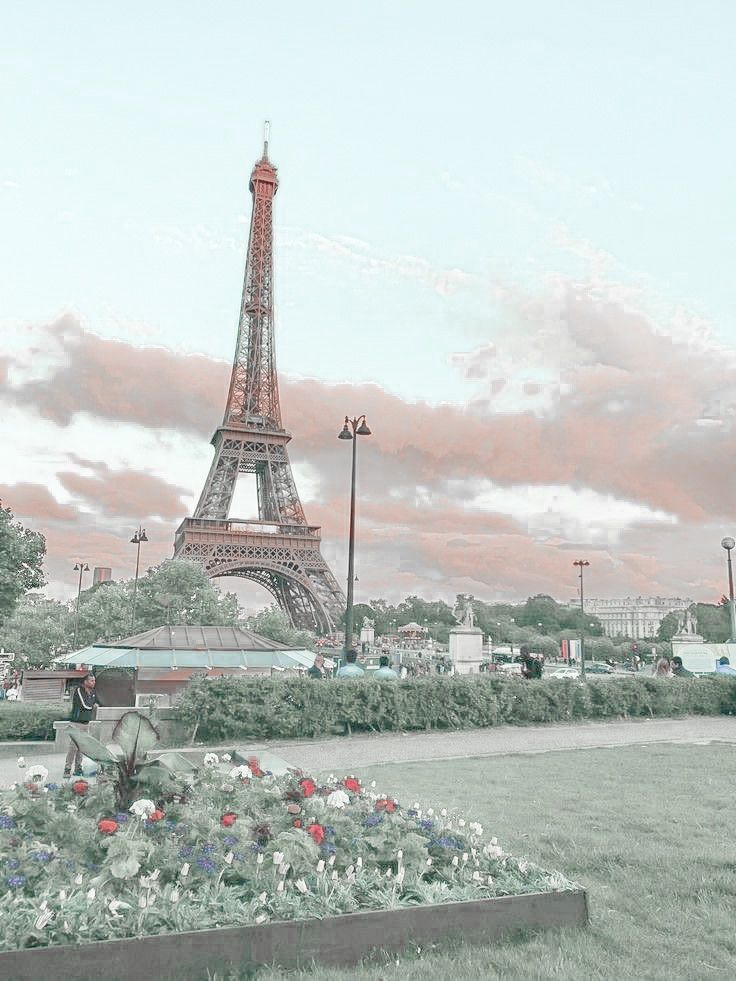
(226, 708)
(30, 720)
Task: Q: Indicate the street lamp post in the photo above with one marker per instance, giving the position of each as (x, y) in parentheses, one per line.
(581, 563)
(728, 544)
(140, 536)
(81, 568)
(359, 427)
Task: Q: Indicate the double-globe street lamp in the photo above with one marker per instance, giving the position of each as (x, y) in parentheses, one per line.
(728, 544)
(140, 536)
(81, 568)
(351, 430)
(581, 563)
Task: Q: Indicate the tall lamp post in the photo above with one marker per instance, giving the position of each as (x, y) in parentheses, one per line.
(351, 430)
(140, 536)
(81, 568)
(728, 544)
(581, 563)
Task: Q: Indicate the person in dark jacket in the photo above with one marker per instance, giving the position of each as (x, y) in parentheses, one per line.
(84, 702)
(679, 670)
(318, 668)
(531, 667)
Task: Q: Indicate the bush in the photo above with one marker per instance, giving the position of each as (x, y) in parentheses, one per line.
(30, 720)
(226, 708)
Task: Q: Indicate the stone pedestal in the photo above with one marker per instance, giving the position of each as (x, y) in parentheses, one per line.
(466, 649)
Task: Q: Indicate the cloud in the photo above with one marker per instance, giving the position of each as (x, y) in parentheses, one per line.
(33, 502)
(587, 426)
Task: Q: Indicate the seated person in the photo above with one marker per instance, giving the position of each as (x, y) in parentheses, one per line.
(678, 669)
(350, 669)
(723, 666)
(384, 671)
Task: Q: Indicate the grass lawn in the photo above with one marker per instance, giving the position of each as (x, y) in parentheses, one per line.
(646, 830)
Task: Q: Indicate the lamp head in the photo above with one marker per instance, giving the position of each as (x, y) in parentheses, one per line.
(345, 434)
(143, 537)
(728, 543)
(363, 429)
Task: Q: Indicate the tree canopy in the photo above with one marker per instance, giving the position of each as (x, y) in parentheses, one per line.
(21, 557)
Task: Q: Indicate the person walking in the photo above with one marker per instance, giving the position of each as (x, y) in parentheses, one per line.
(679, 670)
(350, 669)
(84, 702)
(385, 672)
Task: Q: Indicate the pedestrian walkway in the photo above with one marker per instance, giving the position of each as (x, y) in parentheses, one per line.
(351, 753)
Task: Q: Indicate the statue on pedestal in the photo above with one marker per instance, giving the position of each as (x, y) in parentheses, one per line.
(464, 615)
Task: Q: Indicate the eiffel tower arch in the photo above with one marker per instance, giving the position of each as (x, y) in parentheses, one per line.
(279, 550)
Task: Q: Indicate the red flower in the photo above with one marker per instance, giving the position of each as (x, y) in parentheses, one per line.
(156, 816)
(80, 787)
(107, 826)
(228, 820)
(351, 784)
(296, 824)
(307, 786)
(386, 804)
(254, 767)
(317, 832)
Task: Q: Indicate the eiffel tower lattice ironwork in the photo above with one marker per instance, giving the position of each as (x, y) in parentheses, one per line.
(279, 550)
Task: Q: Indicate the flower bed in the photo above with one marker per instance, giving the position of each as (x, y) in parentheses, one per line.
(236, 846)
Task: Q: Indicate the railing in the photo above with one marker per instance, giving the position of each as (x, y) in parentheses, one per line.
(256, 527)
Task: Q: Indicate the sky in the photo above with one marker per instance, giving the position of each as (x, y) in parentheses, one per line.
(505, 232)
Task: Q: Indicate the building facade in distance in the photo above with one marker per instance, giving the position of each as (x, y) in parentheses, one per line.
(637, 617)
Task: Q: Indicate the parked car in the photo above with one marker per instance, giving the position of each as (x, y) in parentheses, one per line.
(564, 673)
(596, 667)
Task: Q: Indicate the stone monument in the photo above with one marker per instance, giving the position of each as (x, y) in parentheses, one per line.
(466, 640)
(687, 629)
(367, 633)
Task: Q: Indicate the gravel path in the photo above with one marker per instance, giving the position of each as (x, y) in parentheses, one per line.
(365, 750)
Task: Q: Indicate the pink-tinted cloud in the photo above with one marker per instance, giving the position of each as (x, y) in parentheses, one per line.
(35, 503)
(128, 493)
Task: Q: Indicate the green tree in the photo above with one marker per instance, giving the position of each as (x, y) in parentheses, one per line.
(179, 591)
(21, 557)
(668, 627)
(273, 623)
(37, 630)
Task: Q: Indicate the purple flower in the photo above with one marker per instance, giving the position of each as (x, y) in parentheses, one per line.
(329, 831)
(12, 863)
(372, 820)
(15, 881)
(328, 849)
(206, 865)
(412, 813)
(230, 840)
(41, 856)
(208, 848)
(6, 822)
(52, 786)
(427, 825)
(255, 847)
(120, 818)
(186, 851)
(447, 843)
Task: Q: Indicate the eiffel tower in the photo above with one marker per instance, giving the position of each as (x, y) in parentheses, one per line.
(279, 550)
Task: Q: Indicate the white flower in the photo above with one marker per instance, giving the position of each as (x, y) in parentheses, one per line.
(229, 858)
(399, 854)
(240, 773)
(46, 916)
(142, 808)
(455, 861)
(283, 868)
(174, 897)
(226, 757)
(147, 881)
(211, 759)
(22, 763)
(91, 895)
(465, 857)
(262, 918)
(263, 897)
(476, 876)
(259, 858)
(301, 885)
(142, 902)
(429, 861)
(37, 773)
(280, 886)
(78, 879)
(321, 865)
(228, 788)
(461, 823)
(476, 828)
(359, 862)
(335, 876)
(62, 895)
(388, 873)
(184, 870)
(373, 783)
(278, 858)
(338, 798)
(430, 812)
(400, 876)
(331, 860)
(443, 812)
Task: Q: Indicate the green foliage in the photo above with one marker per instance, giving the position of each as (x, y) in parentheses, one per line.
(225, 709)
(179, 591)
(713, 623)
(21, 557)
(134, 736)
(274, 623)
(30, 720)
(38, 629)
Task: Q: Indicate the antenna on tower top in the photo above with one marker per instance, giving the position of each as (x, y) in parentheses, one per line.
(266, 133)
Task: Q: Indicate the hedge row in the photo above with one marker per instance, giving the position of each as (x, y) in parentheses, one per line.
(30, 720)
(225, 709)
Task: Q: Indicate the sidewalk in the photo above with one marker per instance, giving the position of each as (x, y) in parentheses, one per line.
(351, 753)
